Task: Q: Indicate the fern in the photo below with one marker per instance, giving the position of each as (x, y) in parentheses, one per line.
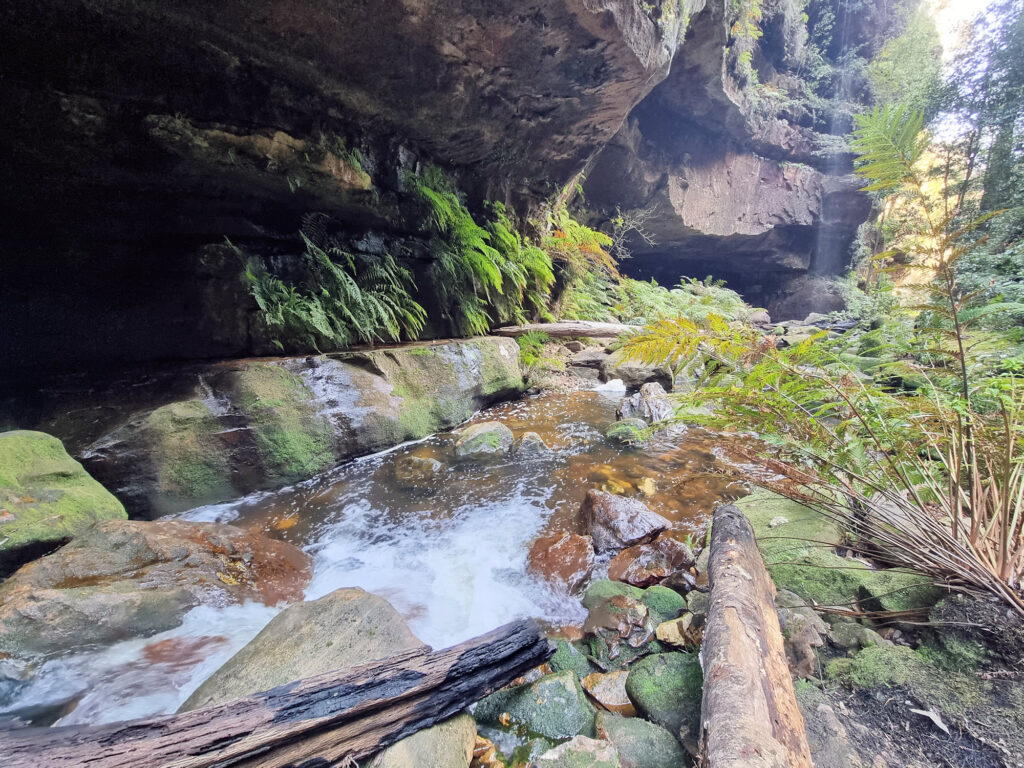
(342, 299)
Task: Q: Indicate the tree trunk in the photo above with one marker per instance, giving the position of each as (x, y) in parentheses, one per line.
(749, 712)
(323, 720)
(583, 328)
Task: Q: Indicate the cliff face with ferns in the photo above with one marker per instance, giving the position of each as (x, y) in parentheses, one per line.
(137, 135)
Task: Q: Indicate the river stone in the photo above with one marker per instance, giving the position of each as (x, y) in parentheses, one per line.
(530, 445)
(651, 404)
(554, 706)
(416, 471)
(635, 374)
(343, 629)
(568, 656)
(678, 633)
(629, 432)
(609, 690)
(616, 522)
(129, 578)
(645, 564)
(562, 558)
(621, 621)
(45, 497)
(666, 689)
(483, 438)
(581, 752)
(641, 744)
(829, 742)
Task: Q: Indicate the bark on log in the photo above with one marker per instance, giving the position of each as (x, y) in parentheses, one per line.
(749, 713)
(318, 721)
(584, 328)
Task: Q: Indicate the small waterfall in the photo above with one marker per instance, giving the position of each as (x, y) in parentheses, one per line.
(829, 256)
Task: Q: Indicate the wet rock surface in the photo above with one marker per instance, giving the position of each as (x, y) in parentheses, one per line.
(564, 559)
(651, 404)
(616, 522)
(581, 752)
(202, 435)
(665, 688)
(122, 579)
(483, 438)
(640, 743)
(554, 706)
(645, 564)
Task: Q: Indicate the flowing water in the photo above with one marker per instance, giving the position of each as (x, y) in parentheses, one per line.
(451, 557)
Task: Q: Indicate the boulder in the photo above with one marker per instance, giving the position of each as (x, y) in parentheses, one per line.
(581, 752)
(343, 629)
(651, 404)
(827, 737)
(609, 690)
(645, 564)
(641, 744)
(621, 621)
(208, 433)
(568, 656)
(616, 522)
(485, 438)
(629, 432)
(417, 471)
(123, 579)
(562, 558)
(45, 497)
(679, 633)
(553, 706)
(666, 689)
(635, 374)
(530, 445)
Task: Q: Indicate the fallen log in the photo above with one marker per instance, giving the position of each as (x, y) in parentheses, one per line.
(582, 328)
(319, 721)
(749, 714)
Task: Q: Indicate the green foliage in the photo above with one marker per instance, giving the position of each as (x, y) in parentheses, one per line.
(478, 267)
(889, 142)
(908, 69)
(342, 298)
(577, 247)
(531, 344)
(605, 298)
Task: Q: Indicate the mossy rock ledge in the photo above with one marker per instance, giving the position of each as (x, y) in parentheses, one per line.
(46, 497)
(241, 426)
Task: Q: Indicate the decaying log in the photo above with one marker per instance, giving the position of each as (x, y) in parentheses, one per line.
(318, 721)
(749, 714)
(582, 328)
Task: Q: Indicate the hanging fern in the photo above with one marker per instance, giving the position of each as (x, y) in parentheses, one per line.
(342, 299)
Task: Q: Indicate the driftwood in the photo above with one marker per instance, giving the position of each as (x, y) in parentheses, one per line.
(319, 721)
(749, 713)
(583, 328)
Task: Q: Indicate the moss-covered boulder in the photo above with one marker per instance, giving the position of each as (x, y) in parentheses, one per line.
(568, 657)
(641, 744)
(215, 432)
(553, 706)
(666, 688)
(791, 538)
(46, 497)
(485, 438)
(631, 432)
(293, 435)
(622, 621)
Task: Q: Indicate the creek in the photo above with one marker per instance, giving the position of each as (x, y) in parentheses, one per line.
(450, 554)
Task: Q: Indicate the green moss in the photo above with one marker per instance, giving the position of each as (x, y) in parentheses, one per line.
(667, 688)
(45, 495)
(421, 351)
(295, 440)
(554, 706)
(568, 657)
(665, 603)
(190, 461)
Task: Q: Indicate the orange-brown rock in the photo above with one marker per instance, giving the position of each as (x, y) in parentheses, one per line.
(609, 690)
(131, 578)
(562, 558)
(616, 522)
(646, 564)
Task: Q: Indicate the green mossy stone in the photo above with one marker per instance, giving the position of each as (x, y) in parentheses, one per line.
(46, 497)
(581, 752)
(666, 688)
(554, 706)
(294, 437)
(189, 459)
(627, 432)
(484, 438)
(568, 657)
(794, 544)
(641, 744)
(664, 603)
(600, 591)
